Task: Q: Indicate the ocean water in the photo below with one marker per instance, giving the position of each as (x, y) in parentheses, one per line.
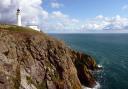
(109, 50)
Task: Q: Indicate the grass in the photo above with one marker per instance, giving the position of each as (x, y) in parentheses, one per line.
(21, 29)
(17, 28)
(38, 85)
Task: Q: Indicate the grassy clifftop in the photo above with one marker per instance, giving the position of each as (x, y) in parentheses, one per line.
(16, 28)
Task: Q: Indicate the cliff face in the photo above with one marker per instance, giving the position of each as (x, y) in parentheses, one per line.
(33, 60)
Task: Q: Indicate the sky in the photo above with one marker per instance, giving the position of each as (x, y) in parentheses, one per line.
(69, 16)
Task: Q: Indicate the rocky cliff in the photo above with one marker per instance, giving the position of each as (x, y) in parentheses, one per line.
(33, 60)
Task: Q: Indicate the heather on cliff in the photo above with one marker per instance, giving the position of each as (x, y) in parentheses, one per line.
(32, 60)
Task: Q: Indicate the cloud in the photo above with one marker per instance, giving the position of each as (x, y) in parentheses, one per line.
(56, 5)
(100, 17)
(58, 14)
(125, 7)
(106, 23)
(60, 22)
(30, 10)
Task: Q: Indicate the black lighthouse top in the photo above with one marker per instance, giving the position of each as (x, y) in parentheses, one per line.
(18, 10)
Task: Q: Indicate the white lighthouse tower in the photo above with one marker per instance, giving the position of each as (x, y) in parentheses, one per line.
(18, 17)
(31, 25)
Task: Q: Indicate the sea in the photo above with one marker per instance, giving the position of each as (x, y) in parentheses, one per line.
(109, 50)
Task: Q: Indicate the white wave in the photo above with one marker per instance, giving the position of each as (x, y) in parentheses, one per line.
(96, 87)
(100, 66)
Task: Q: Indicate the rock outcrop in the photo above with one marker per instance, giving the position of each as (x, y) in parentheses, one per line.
(33, 60)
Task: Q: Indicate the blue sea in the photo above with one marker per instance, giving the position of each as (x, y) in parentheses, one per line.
(109, 50)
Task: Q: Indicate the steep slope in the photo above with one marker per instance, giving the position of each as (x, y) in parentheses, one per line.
(33, 60)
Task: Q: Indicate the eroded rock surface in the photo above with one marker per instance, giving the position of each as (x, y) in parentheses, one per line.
(33, 60)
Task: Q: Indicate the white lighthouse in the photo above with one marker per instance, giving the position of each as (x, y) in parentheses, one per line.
(18, 17)
(31, 24)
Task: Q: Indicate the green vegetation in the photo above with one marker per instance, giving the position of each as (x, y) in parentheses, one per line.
(38, 85)
(29, 79)
(17, 79)
(55, 76)
(17, 28)
(21, 29)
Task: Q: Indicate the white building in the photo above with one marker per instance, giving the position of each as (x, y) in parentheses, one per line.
(19, 23)
(35, 27)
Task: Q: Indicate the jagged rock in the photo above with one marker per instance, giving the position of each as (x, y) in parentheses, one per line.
(33, 60)
(84, 63)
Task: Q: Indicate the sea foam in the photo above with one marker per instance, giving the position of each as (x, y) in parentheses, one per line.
(100, 66)
(96, 87)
